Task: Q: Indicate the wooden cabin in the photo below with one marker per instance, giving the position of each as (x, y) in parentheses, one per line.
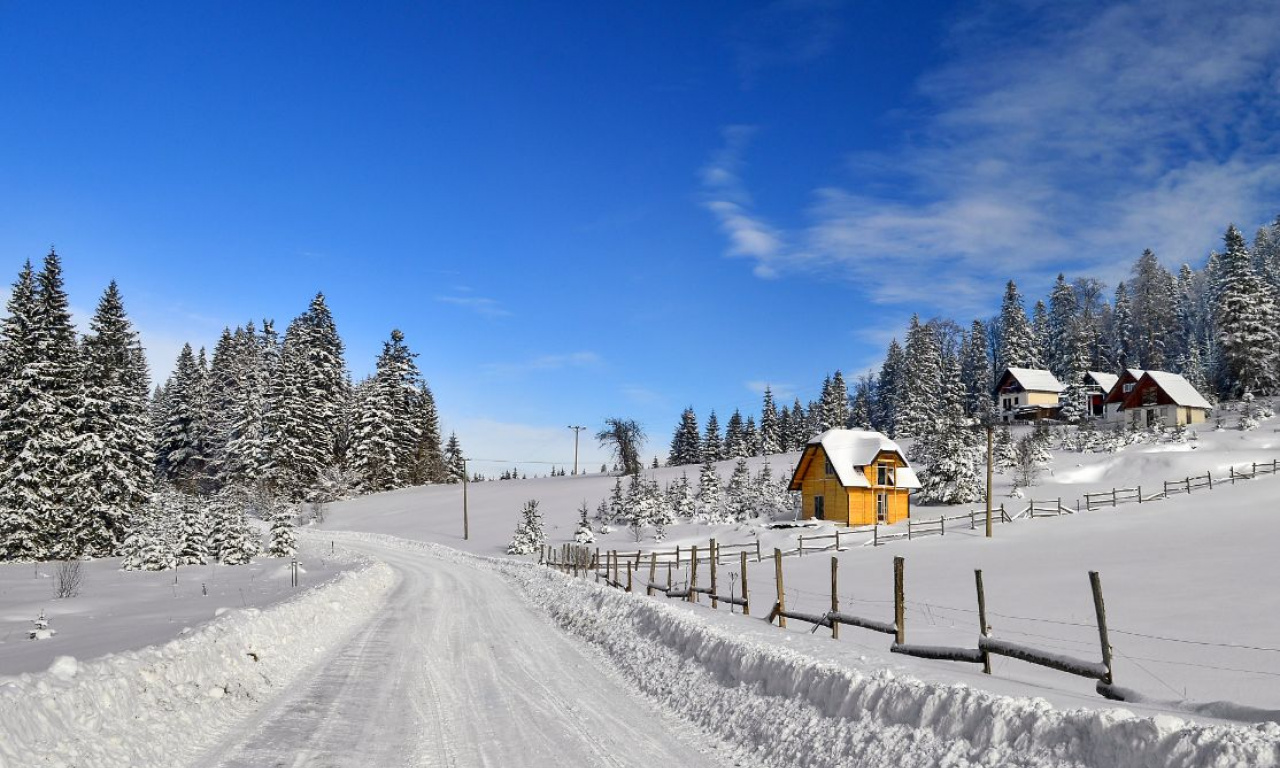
(1163, 398)
(854, 477)
(1097, 386)
(1027, 394)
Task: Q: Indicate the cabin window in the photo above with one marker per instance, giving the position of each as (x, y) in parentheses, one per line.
(884, 473)
(1128, 387)
(819, 508)
(831, 469)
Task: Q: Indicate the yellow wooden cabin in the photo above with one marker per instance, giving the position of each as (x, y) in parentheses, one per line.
(854, 477)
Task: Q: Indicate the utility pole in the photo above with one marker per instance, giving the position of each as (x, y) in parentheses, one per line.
(990, 440)
(466, 526)
(576, 430)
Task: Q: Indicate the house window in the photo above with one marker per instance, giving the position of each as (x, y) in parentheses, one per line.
(1128, 387)
(831, 469)
(819, 508)
(884, 473)
(1008, 404)
(882, 507)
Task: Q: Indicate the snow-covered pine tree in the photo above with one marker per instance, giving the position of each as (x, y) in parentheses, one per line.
(1247, 320)
(919, 407)
(799, 432)
(1121, 336)
(584, 534)
(529, 536)
(428, 463)
(751, 434)
(181, 445)
(738, 496)
(1016, 342)
(455, 460)
(246, 453)
(111, 460)
(735, 439)
(25, 504)
(1152, 303)
(617, 509)
(710, 495)
(862, 402)
(890, 389)
(282, 539)
(975, 370)
(686, 443)
(386, 436)
(193, 531)
(680, 498)
(712, 447)
(771, 437)
(1040, 335)
(835, 403)
(308, 397)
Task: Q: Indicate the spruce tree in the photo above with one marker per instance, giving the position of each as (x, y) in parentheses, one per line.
(386, 436)
(890, 390)
(1016, 342)
(835, 403)
(975, 370)
(1247, 320)
(455, 460)
(751, 434)
(282, 540)
(918, 410)
(771, 437)
(1152, 302)
(1122, 350)
(735, 438)
(26, 505)
(712, 448)
(181, 447)
(710, 495)
(799, 433)
(686, 443)
(863, 397)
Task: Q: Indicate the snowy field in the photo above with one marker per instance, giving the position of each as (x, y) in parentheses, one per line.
(124, 610)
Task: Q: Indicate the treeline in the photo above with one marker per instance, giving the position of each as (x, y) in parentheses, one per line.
(91, 457)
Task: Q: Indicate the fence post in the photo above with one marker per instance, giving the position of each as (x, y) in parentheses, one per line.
(1210, 476)
(1113, 497)
(972, 524)
(715, 560)
(1139, 494)
(1188, 485)
(1096, 583)
(875, 534)
(629, 577)
(800, 552)
(693, 572)
(1231, 471)
(757, 549)
(669, 575)
(653, 567)
(782, 594)
(835, 598)
(746, 601)
(982, 619)
(943, 519)
(908, 529)
(899, 610)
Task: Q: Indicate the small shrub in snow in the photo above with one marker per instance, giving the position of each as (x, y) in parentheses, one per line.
(584, 534)
(40, 629)
(67, 579)
(1027, 461)
(529, 536)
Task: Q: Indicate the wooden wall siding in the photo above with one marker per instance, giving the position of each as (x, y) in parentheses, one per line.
(1039, 398)
(816, 482)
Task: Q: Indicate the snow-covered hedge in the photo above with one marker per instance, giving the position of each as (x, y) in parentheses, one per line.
(787, 709)
(161, 706)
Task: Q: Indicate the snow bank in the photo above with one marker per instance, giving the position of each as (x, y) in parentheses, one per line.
(161, 706)
(786, 709)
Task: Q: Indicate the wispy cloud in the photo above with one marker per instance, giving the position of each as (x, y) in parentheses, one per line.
(1090, 132)
(485, 307)
(784, 33)
(545, 363)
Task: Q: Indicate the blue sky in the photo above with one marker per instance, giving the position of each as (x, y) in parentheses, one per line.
(582, 210)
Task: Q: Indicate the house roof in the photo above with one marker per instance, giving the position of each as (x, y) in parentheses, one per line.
(1035, 380)
(1178, 389)
(850, 449)
(1104, 380)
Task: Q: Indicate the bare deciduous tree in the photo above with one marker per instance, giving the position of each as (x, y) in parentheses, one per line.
(625, 438)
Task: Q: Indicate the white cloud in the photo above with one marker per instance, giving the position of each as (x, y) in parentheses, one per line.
(1071, 137)
(545, 363)
(480, 305)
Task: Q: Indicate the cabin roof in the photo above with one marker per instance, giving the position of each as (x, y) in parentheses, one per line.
(1035, 379)
(1104, 380)
(1178, 389)
(849, 450)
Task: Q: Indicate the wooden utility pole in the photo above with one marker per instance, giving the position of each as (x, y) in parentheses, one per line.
(466, 525)
(782, 593)
(576, 430)
(899, 602)
(990, 455)
(1100, 608)
(982, 619)
(746, 601)
(835, 598)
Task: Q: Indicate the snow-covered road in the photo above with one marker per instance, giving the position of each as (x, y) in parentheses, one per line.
(458, 670)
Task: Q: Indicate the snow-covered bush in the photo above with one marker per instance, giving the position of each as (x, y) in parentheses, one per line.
(584, 534)
(282, 541)
(40, 629)
(529, 536)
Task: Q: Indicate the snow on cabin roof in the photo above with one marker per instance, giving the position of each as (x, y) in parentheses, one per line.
(850, 449)
(1136, 373)
(1178, 389)
(1036, 380)
(1104, 380)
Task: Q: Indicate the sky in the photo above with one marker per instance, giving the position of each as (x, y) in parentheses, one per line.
(577, 211)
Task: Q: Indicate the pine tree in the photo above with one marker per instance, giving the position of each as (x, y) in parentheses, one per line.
(1122, 350)
(1247, 320)
(712, 448)
(387, 436)
(738, 495)
(454, 459)
(710, 494)
(835, 404)
(975, 370)
(735, 438)
(111, 460)
(584, 534)
(771, 437)
(890, 389)
(26, 505)
(428, 461)
(1152, 301)
(799, 433)
(918, 409)
(1016, 342)
(193, 532)
(751, 434)
(529, 536)
(680, 498)
(863, 397)
(282, 541)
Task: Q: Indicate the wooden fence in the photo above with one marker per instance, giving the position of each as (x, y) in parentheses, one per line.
(938, 525)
